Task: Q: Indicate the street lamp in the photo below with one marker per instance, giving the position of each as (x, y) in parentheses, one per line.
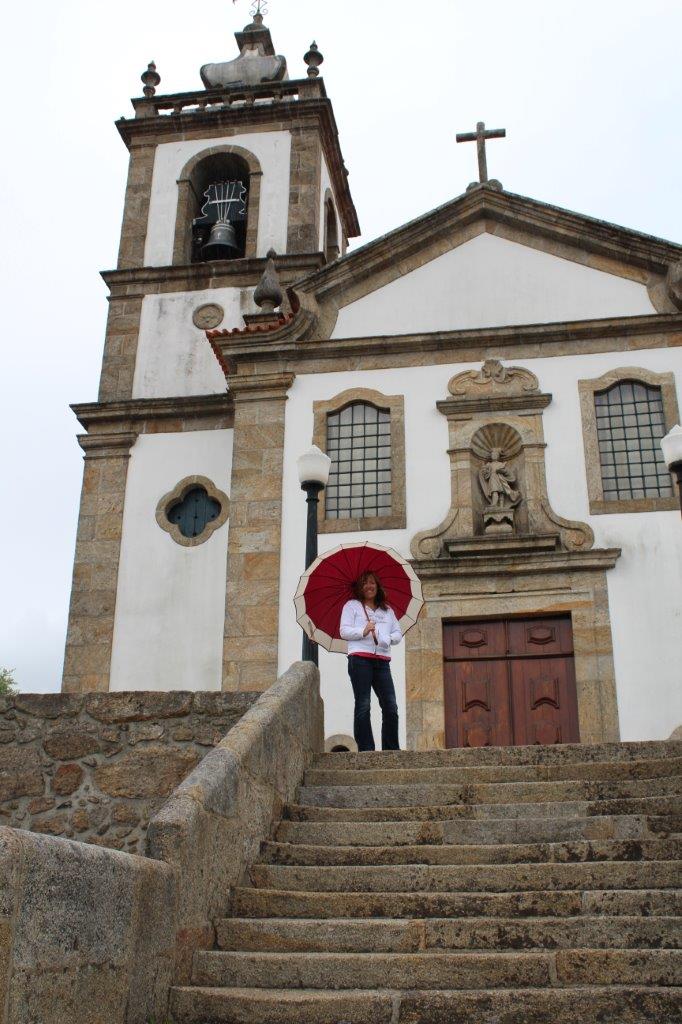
(672, 453)
(313, 473)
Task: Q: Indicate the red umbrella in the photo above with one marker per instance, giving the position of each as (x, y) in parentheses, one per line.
(328, 583)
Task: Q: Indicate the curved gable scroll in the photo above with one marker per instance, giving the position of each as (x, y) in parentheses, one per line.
(187, 199)
(394, 405)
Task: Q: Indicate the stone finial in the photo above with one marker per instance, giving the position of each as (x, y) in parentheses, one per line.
(313, 59)
(268, 294)
(150, 79)
(673, 283)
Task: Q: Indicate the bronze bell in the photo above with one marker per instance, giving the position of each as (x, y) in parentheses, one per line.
(222, 242)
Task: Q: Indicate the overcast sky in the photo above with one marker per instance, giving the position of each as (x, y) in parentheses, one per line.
(589, 92)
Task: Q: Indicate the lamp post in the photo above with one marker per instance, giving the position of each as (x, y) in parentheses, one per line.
(672, 453)
(313, 473)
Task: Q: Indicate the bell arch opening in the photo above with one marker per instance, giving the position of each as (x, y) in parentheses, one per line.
(218, 198)
(332, 249)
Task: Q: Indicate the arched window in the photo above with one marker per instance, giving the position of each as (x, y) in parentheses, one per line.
(218, 200)
(630, 425)
(332, 250)
(359, 445)
(220, 184)
(363, 432)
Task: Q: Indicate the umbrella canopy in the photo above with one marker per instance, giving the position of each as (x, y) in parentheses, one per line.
(328, 583)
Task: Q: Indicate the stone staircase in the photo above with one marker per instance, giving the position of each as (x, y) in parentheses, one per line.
(499, 886)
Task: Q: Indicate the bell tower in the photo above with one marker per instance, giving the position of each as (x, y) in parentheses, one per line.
(219, 177)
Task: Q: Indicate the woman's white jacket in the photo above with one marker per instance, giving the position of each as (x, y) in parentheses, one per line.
(353, 622)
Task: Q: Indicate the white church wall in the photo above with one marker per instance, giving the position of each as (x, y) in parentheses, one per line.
(487, 282)
(643, 588)
(273, 150)
(170, 603)
(173, 357)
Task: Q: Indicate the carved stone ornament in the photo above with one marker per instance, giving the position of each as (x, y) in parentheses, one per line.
(497, 469)
(493, 378)
(673, 283)
(208, 317)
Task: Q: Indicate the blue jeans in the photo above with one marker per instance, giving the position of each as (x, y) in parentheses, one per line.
(367, 674)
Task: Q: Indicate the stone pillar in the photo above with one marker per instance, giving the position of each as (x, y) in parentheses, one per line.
(120, 348)
(253, 560)
(90, 632)
(136, 209)
(304, 191)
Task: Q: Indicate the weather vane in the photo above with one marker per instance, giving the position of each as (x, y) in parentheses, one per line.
(257, 7)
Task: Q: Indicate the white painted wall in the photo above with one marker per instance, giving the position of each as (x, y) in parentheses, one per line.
(488, 282)
(273, 150)
(644, 588)
(170, 603)
(173, 356)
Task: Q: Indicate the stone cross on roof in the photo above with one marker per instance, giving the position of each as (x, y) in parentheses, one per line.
(479, 137)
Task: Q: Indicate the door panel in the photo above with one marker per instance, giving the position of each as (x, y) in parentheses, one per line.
(544, 701)
(473, 640)
(477, 708)
(541, 637)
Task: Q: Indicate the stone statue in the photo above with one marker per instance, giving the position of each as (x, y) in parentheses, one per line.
(498, 482)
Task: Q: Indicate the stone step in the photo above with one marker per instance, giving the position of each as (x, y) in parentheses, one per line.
(437, 794)
(486, 877)
(434, 970)
(467, 774)
(521, 830)
(653, 805)
(265, 903)
(577, 1005)
(516, 853)
(348, 935)
(560, 753)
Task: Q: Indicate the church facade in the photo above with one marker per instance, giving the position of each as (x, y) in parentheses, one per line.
(491, 381)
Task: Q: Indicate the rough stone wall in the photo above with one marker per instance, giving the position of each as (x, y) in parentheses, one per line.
(96, 767)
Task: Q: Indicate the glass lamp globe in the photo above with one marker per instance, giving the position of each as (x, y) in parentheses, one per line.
(313, 467)
(672, 447)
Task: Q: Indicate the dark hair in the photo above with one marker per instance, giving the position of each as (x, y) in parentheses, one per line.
(359, 584)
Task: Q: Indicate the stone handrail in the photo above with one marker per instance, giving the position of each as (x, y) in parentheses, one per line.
(217, 99)
(212, 826)
(84, 927)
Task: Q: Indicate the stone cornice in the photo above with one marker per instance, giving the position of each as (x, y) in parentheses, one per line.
(260, 387)
(115, 445)
(484, 204)
(243, 273)
(150, 127)
(454, 407)
(296, 346)
(528, 563)
(113, 418)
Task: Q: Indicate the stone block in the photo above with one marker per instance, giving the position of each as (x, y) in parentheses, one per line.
(20, 772)
(152, 771)
(67, 779)
(70, 744)
(141, 706)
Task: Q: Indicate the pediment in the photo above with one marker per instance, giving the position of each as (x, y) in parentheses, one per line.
(492, 259)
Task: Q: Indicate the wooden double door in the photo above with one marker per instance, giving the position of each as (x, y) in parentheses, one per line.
(509, 682)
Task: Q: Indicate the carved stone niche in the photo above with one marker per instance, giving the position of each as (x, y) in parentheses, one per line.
(497, 469)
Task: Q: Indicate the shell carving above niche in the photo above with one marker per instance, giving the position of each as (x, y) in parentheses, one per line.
(499, 503)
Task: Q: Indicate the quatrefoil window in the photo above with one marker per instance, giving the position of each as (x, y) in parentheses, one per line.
(192, 511)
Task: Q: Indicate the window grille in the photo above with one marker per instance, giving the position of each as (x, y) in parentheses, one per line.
(630, 425)
(359, 445)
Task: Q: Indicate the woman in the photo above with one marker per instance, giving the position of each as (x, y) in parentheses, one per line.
(370, 627)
